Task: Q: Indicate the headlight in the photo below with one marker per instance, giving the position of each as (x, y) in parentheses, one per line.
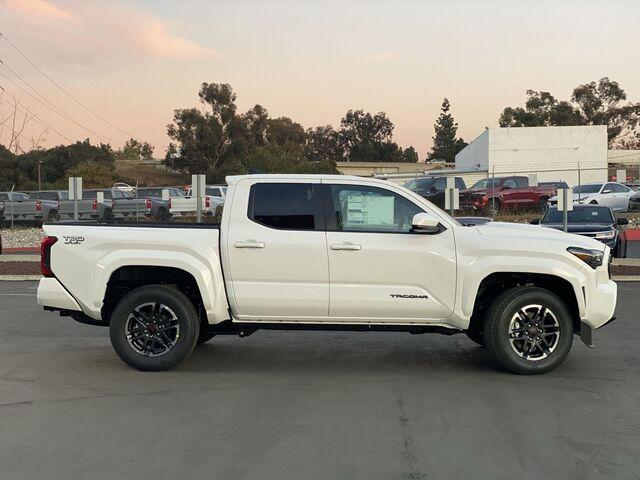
(593, 258)
(606, 235)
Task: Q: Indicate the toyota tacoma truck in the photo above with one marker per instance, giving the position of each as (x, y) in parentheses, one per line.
(324, 252)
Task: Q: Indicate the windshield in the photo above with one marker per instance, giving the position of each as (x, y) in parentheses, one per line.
(580, 215)
(486, 183)
(592, 188)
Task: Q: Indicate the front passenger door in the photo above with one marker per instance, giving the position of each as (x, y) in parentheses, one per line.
(380, 270)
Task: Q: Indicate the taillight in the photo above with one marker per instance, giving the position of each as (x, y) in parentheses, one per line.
(94, 205)
(45, 256)
(58, 204)
(148, 203)
(169, 202)
(113, 204)
(207, 202)
(38, 206)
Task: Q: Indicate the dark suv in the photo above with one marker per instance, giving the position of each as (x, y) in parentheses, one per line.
(433, 188)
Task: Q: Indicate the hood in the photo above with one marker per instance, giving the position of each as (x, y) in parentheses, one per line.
(576, 196)
(581, 227)
(479, 191)
(536, 236)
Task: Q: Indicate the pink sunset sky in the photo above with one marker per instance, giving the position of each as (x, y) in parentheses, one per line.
(134, 62)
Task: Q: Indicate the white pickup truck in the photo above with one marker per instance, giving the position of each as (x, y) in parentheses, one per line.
(324, 252)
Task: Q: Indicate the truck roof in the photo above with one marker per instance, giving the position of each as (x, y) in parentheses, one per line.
(234, 179)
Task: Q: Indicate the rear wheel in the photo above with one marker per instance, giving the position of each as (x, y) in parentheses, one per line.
(528, 330)
(52, 216)
(109, 217)
(154, 328)
(493, 207)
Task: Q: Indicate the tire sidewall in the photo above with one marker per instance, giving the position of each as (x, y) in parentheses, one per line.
(187, 319)
(497, 330)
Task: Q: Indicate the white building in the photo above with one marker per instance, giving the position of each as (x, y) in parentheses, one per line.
(573, 154)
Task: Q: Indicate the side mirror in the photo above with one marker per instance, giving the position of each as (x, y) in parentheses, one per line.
(606, 191)
(425, 223)
(623, 221)
(535, 221)
(506, 187)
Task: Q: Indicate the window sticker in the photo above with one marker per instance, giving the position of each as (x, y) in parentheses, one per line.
(369, 210)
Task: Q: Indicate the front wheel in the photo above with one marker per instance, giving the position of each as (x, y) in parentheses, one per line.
(528, 330)
(154, 328)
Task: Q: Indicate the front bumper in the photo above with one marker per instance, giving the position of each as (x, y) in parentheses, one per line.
(600, 304)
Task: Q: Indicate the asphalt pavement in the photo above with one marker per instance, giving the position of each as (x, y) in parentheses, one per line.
(307, 405)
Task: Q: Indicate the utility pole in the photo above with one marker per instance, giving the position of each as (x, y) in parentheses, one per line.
(39, 175)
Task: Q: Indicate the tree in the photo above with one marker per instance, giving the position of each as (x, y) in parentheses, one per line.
(409, 155)
(368, 138)
(323, 145)
(594, 103)
(136, 150)
(445, 144)
(94, 175)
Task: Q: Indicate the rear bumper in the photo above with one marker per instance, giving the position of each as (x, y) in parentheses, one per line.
(52, 294)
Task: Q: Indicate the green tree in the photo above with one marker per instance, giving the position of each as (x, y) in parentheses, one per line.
(368, 138)
(594, 103)
(323, 145)
(135, 150)
(445, 144)
(409, 155)
(94, 175)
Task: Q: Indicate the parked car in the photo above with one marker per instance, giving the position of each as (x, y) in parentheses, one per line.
(37, 207)
(609, 194)
(594, 221)
(634, 203)
(433, 188)
(214, 196)
(493, 195)
(557, 184)
(13, 197)
(144, 203)
(124, 187)
(327, 252)
(89, 208)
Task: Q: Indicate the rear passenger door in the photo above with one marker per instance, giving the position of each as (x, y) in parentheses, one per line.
(276, 252)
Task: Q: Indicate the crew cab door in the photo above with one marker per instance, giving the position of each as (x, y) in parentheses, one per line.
(380, 270)
(276, 266)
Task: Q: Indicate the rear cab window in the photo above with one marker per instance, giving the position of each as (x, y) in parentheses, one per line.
(286, 206)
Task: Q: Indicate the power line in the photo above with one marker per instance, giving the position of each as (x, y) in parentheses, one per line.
(35, 117)
(49, 105)
(62, 89)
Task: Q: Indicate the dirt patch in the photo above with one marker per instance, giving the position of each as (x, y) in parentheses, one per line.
(20, 268)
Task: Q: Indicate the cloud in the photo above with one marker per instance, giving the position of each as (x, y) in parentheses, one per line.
(40, 9)
(154, 36)
(109, 28)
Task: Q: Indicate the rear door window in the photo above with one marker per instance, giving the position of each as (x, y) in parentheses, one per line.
(521, 182)
(286, 206)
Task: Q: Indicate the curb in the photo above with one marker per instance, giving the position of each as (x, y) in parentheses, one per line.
(626, 278)
(19, 278)
(21, 250)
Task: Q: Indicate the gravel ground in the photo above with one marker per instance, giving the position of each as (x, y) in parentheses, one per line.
(21, 237)
(20, 268)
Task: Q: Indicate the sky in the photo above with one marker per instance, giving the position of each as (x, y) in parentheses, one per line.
(126, 65)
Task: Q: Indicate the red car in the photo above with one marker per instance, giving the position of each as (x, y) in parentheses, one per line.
(493, 195)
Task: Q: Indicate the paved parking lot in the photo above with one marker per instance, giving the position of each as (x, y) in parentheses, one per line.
(302, 405)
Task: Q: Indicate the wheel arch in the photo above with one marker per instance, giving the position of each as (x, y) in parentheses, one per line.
(497, 282)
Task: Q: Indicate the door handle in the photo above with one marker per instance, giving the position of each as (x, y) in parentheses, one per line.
(346, 246)
(249, 244)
